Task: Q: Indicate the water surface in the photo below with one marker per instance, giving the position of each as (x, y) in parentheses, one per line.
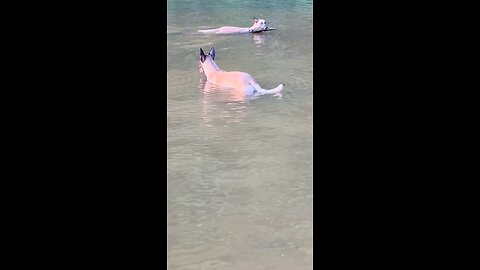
(239, 172)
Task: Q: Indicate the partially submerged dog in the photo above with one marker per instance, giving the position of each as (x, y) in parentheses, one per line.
(241, 82)
(259, 25)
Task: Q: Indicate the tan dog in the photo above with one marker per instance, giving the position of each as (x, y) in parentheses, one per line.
(258, 26)
(242, 82)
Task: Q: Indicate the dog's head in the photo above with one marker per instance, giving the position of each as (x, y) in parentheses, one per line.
(259, 24)
(204, 57)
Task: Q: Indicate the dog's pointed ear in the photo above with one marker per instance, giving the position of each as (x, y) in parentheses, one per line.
(255, 20)
(212, 53)
(202, 55)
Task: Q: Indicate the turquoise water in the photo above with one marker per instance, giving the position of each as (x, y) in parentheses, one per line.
(239, 172)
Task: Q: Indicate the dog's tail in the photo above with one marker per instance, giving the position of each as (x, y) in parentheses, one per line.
(261, 91)
(275, 90)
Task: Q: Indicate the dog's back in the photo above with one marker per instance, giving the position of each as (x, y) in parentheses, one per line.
(226, 30)
(240, 81)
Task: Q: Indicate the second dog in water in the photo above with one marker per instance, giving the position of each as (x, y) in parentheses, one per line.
(259, 25)
(235, 80)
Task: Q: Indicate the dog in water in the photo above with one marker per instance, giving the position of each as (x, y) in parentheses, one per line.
(259, 25)
(240, 82)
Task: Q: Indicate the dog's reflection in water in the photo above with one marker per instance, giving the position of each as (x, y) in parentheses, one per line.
(259, 38)
(219, 94)
(222, 107)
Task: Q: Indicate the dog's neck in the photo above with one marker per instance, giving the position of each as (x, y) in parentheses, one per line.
(209, 66)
